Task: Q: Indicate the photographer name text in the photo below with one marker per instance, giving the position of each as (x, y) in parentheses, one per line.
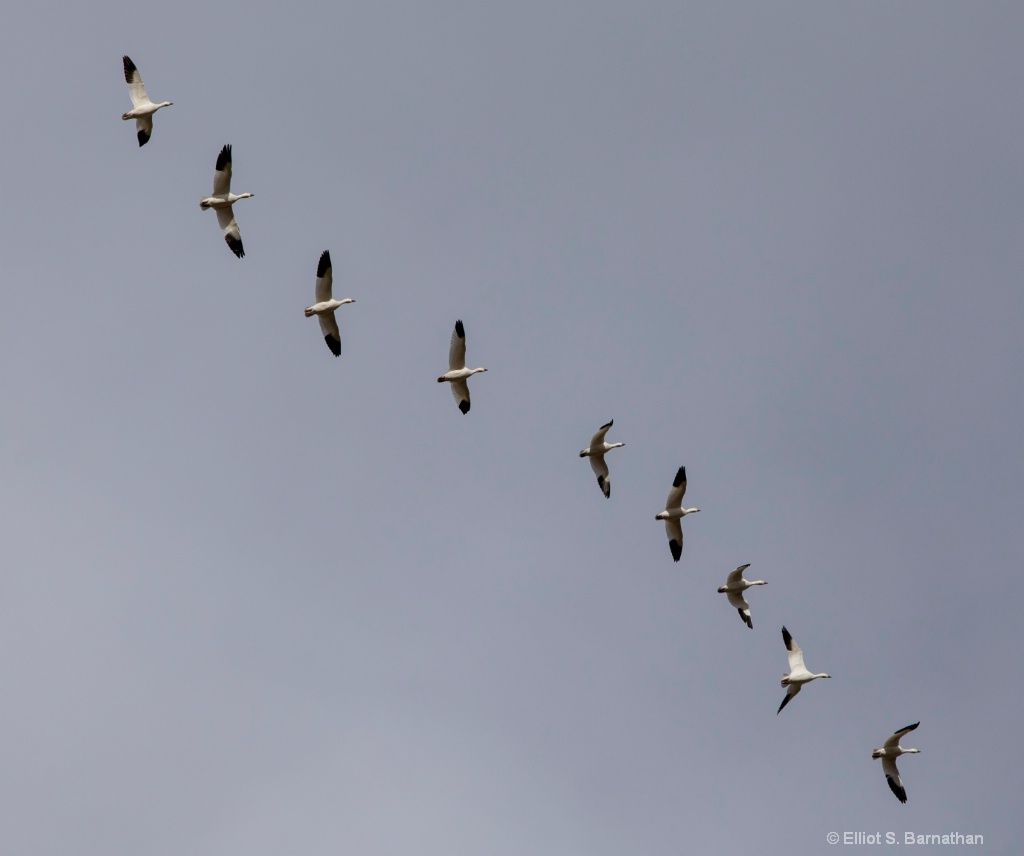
(906, 837)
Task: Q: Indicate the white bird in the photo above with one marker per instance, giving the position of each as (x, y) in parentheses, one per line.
(457, 372)
(223, 199)
(325, 304)
(595, 451)
(889, 753)
(734, 586)
(674, 512)
(142, 108)
(798, 674)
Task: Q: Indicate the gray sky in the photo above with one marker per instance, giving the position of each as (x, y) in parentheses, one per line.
(256, 600)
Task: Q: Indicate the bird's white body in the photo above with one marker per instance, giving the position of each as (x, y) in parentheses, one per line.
(326, 304)
(457, 373)
(674, 513)
(798, 673)
(222, 199)
(888, 754)
(221, 202)
(142, 108)
(596, 451)
(734, 587)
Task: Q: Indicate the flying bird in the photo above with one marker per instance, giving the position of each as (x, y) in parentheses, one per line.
(798, 674)
(595, 451)
(734, 586)
(142, 108)
(674, 512)
(223, 199)
(325, 304)
(889, 753)
(457, 373)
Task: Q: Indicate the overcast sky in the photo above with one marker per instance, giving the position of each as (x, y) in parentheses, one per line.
(256, 600)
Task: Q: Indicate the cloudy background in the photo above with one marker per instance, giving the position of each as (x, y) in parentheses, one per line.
(255, 600)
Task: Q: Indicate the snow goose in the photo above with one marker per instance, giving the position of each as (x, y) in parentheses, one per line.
(142, 108)
(223, 199)
(595, 451)
(457, 372)
(889, 753)
(674, 512)
(798, 674)
(325, 304)
(734, 586)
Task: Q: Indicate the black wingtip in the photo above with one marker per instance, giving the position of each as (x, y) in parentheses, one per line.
(129, 68)
(235, 244)
(746, 619)
(901, 793)
(605, 485)
(607, 424)
(143, 138)
(680, 477)
(910, 727)
(677, 550)
(464, 406)
(460, 331)
(224, 158)
(785, 701)
(325, 263)
(334, 345)
(786, 637)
